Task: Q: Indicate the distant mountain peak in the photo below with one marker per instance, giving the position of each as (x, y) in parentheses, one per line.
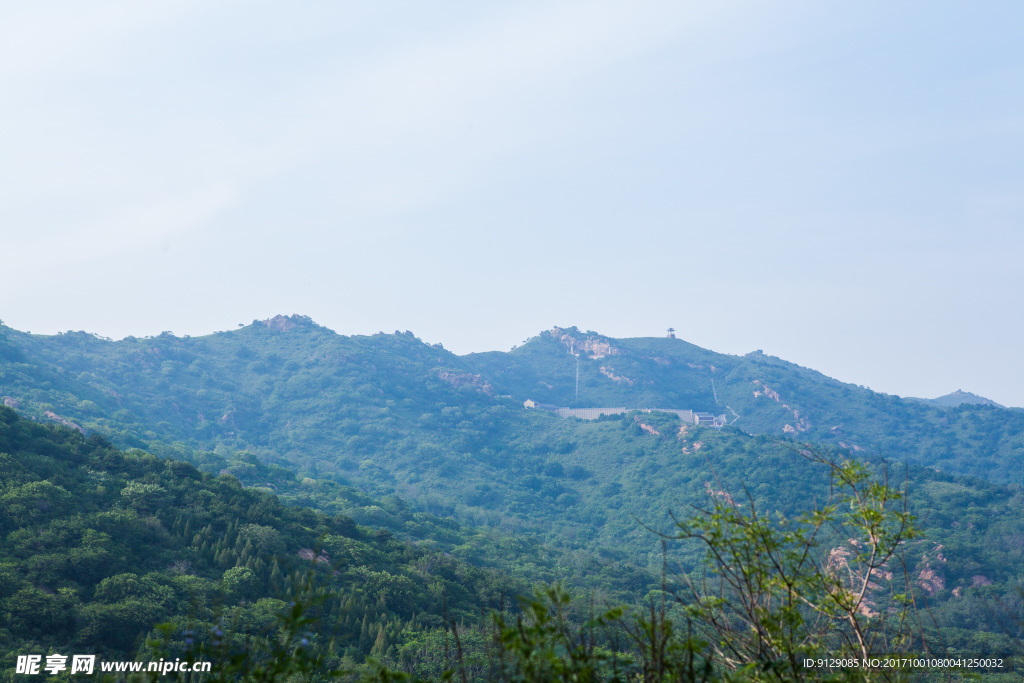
(284, 323)
(956, 398)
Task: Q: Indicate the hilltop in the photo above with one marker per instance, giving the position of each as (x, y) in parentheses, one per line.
(957, 398)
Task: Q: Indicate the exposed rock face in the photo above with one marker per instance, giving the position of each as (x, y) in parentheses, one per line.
(308, 555)
(838, 558)
(67, 423)
(930, 578)
(462, 379)
(852, 577)
(596, 348)
(610, 374)
(724, 495)
(930, 581)
(284, 323)
(646, 427)
(765, 390)
(802, 423)
(592, 346)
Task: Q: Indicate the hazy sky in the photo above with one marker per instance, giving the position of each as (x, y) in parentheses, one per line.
(839, 184)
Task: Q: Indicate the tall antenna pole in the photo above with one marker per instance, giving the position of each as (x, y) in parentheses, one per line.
(577, 377)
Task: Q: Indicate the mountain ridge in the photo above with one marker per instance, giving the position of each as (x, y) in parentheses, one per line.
(270, 382)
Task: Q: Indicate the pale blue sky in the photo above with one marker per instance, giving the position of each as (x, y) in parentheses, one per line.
(840, 185)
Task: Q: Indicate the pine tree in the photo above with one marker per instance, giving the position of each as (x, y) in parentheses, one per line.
(380, 645)
(364, 634)
(247, 553)
(276, 578)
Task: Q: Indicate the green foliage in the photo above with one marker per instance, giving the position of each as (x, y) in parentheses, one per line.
(144, 498)
(88, 560)
(388, 438)
(829, 583)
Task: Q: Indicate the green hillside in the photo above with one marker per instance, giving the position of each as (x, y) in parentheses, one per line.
(391, 433)
(391, 416)
(759, 394)
(100, 545)
(354, 408)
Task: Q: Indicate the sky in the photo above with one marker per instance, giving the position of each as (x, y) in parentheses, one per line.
(838, 184)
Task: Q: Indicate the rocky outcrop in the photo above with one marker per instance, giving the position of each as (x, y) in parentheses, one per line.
(646, 427)
(591, 346)
(766, 391)
(930, 578)
(801, 424)
(285, 323)
(67, 423)
(852, 577)
(724, 495)
(466, 379)
(310, 556)
(610, 374)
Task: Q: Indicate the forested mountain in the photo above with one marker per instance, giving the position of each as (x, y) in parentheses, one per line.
(388, 432)
(296, 391)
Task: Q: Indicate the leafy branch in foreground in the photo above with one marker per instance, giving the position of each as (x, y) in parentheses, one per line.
(831, 582)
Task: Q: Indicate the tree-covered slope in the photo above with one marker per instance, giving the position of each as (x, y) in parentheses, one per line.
(277, 383)
(390, 416)
(100, 545)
